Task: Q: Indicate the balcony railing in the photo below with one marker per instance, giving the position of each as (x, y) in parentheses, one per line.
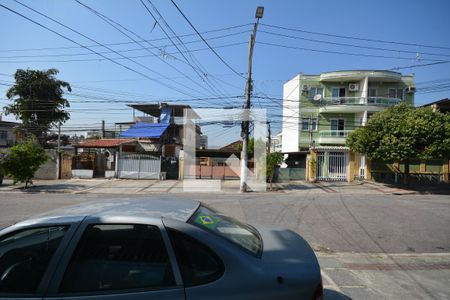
(334, 133)
(375, 101)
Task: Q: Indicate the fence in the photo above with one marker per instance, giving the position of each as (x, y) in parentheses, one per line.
(421, 172)
(139, 166)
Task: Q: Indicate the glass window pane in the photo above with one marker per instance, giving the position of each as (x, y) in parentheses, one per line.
(240, 234)
(117, 256)
(312, 93)
(305, 124)
(198, 264)
(314, 124)
(335, 92)
(319, 91)
(24, 258)
(400, 94)
(392, 93)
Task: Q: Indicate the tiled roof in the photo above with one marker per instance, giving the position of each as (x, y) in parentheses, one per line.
(103, 143)
(233, 146)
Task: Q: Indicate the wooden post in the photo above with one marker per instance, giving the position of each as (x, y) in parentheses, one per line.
(312, 165)
(445, 171)
(368, 170)
(351, 167)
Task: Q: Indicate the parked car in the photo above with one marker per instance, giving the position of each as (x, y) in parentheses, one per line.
(153, 249)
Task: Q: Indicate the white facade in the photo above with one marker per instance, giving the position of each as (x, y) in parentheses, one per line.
(291, 113)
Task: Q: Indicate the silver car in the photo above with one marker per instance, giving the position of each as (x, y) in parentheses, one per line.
(153, 249)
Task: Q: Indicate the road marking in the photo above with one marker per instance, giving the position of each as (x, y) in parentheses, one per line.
(332, 284)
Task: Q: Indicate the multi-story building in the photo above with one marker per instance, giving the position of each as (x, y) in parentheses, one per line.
(319, 111)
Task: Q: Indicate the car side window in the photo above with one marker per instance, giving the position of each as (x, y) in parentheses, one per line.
(198, 264)
(24, 258)
(118, 257)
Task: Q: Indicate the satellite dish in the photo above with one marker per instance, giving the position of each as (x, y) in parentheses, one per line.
(318, 97)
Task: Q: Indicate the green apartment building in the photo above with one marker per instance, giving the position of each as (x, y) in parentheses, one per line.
(319, 111)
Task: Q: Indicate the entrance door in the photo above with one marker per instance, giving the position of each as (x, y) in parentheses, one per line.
(332, 166)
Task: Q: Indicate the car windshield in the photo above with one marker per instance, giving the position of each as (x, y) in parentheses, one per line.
(243, 235)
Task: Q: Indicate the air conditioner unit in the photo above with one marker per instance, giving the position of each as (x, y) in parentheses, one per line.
(353, 87)
(305, 88)
(317, 97)
(410, 89)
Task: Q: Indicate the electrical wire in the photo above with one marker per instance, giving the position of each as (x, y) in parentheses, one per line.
(209, 46)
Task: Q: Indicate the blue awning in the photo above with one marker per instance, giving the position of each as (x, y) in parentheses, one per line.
(145, 130)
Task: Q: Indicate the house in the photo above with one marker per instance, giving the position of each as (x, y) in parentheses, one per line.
(441, 105)
(275, 143)
(319, 111)
(7, 133)
(163, 124)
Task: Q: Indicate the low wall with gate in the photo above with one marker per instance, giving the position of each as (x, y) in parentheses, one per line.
(420, 171)
(139, 166)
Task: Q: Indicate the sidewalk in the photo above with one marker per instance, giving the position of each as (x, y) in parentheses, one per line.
(385, 276)
(130, 186)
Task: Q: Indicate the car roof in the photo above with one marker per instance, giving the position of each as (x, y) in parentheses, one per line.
(180, 210)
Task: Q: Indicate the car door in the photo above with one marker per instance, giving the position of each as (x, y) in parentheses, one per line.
(28, 257)
(213, 268)
(117, 259)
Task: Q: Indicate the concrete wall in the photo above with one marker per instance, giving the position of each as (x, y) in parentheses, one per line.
(50, 169)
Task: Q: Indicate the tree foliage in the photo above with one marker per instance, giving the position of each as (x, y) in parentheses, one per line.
(272, 160)
(403, 132)
(22, 160)
(37, 100)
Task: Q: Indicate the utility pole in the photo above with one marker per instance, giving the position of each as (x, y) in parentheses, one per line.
(59, 137)
(248, 91)
(103, 129)
(269, 138)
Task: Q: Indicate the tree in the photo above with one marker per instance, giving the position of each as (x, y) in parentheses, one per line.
(272, 159)
(38, 101)
(403, 132)
(22, 160)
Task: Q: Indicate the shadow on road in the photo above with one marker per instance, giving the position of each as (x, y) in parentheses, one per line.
(334, 295)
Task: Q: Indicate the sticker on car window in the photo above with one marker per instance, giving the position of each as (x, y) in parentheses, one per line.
(207, 221)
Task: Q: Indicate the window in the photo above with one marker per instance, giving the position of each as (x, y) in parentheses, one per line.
(308, 122)
(337, 127)
(24, 258)
(198, 264)
(315, 91)
(372, 95)
(118, 256)
(338, 95)
(3, 134)
(240, 234)
(396, 93)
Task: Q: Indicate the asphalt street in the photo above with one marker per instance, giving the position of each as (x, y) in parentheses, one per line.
(362, 223)
(370, 246)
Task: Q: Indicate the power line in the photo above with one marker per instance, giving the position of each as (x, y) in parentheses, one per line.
(209, 46)
(159, 47)
(114, 58)
(127, 43)
(195, 68)
(352, 45)
(73, 41)
(358, 38)
(342, 53)
(114, 23)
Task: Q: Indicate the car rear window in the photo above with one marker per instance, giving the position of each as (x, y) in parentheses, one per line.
(243, 235)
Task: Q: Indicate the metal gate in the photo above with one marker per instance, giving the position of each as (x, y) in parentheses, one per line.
(332, 166)
(139, 166)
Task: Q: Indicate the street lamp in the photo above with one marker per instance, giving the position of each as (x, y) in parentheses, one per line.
(259, 12)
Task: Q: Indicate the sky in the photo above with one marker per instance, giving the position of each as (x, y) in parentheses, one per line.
(143, 65)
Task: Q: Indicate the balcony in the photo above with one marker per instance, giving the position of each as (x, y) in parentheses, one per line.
(357, 75)
(356, 104)
(333, 136)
